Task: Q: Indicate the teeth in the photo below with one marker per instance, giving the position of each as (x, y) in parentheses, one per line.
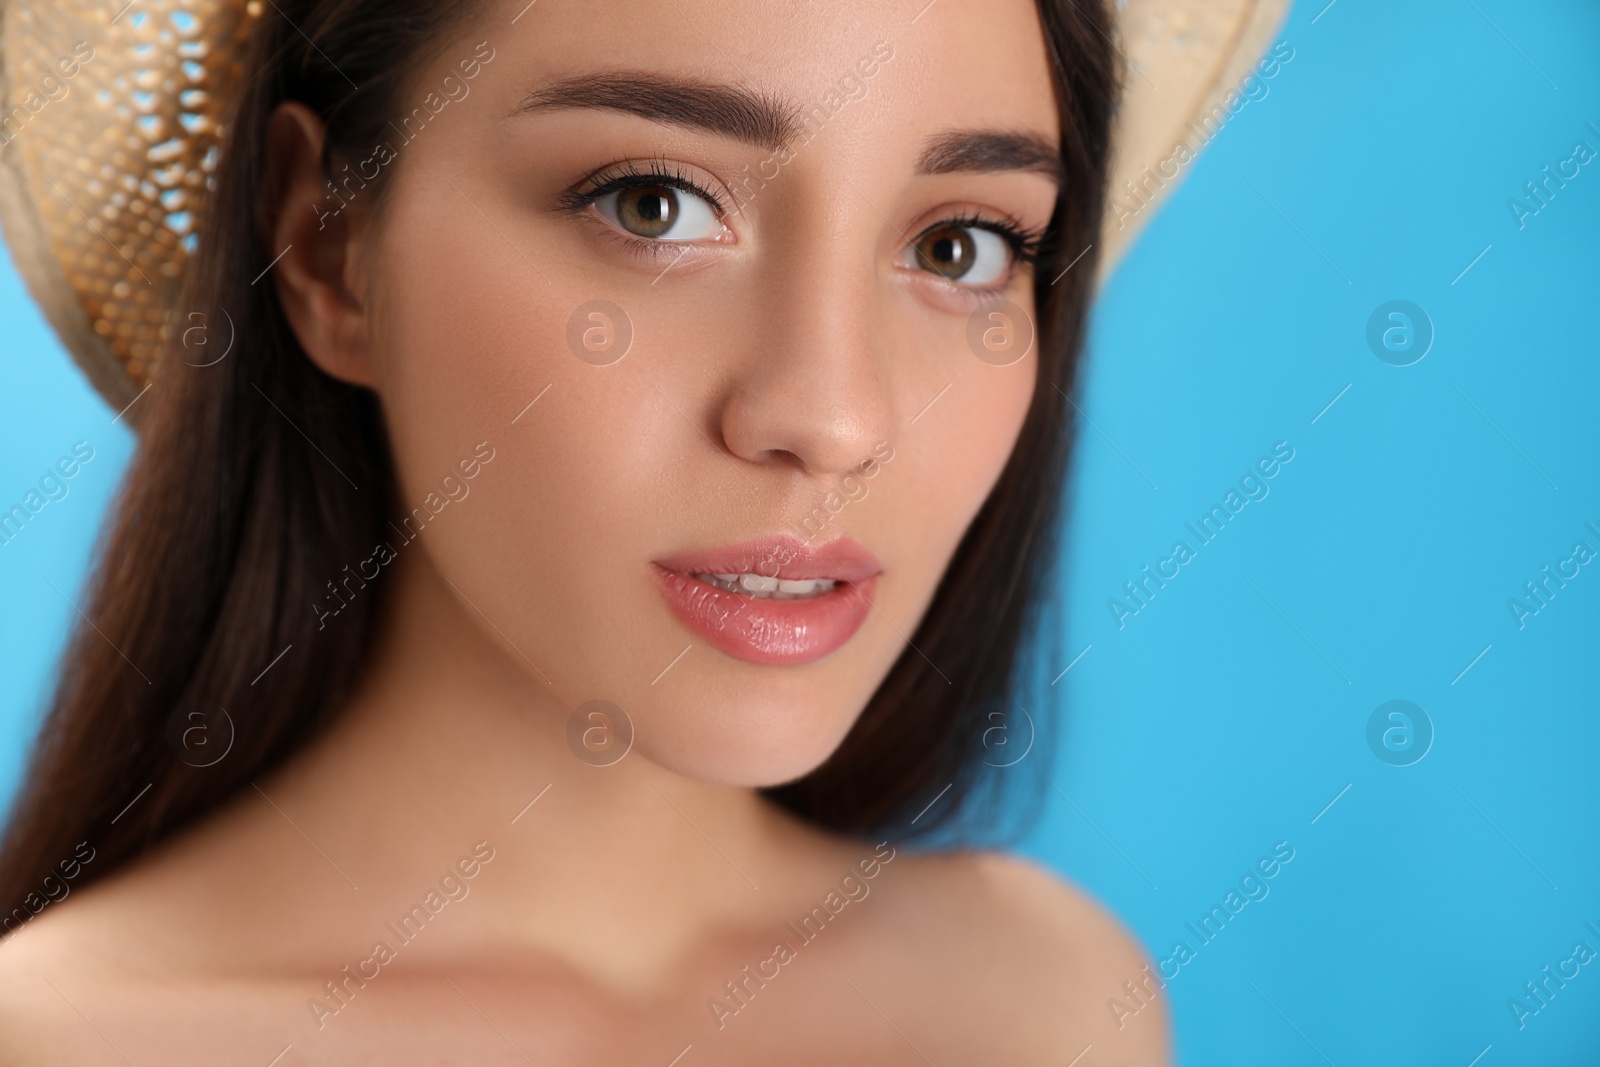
(755, 583)
(760, 587)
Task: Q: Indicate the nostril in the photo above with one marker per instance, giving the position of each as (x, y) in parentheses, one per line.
(785, 457)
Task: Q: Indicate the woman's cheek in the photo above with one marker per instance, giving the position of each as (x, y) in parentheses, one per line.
(978, 435)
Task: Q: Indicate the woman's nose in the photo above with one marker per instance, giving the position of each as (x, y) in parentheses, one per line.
(812, 384)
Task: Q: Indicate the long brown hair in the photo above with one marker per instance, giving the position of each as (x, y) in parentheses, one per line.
(230, 518)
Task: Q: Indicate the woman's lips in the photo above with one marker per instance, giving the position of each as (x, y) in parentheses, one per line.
(765, 630)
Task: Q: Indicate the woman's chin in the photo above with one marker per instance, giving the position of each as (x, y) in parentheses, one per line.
(752, 746)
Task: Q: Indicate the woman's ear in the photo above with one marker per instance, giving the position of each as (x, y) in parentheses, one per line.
(314, 237)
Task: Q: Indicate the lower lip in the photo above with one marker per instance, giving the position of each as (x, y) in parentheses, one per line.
(767, 631)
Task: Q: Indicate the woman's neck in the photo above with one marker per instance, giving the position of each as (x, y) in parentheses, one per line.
(451, 739)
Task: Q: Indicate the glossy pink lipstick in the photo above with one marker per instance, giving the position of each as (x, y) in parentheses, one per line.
(775, 600)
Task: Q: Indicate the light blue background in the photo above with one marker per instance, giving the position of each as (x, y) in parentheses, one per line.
(1227, 714)
(1211, 726)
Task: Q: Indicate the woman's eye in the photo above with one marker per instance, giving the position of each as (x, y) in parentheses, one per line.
(660, 213)
(971, 255)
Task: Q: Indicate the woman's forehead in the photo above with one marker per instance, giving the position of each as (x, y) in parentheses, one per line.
(903, 65)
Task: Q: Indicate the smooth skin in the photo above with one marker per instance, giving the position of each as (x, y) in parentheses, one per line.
(770, 354)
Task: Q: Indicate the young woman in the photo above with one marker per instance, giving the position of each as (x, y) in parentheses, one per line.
(606, 498)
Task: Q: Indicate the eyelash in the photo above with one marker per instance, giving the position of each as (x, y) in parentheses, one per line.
(628, 174)
(1029, 246)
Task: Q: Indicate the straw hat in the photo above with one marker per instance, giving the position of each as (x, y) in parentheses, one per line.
(110, 130)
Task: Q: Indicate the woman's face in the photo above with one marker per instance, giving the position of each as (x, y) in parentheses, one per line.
(714, 283)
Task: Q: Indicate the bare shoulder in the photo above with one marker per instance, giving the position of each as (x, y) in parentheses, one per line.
(1027, 901)
(119, 954)
(1034, 947)
(38, 1023)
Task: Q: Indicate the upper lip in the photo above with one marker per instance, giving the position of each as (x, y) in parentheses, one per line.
(841, 559)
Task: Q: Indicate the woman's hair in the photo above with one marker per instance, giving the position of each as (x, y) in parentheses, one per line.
(231, 520)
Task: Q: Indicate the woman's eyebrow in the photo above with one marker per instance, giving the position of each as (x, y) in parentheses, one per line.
(990, 150)
(766, 121)
(726, 110)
